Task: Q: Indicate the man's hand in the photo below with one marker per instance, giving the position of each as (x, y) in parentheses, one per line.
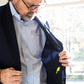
(11, 76)
(64, 59)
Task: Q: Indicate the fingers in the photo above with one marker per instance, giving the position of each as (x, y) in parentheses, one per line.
(64, 58)
(16, 82)
(66, 64)
(11, 76)
(16, 78)
(16, 73)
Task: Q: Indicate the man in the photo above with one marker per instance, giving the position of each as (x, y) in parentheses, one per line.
(22, 42)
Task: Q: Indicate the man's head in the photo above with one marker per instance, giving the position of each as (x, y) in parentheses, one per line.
(27, 8)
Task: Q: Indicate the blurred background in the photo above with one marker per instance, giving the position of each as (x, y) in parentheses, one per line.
(66, 19)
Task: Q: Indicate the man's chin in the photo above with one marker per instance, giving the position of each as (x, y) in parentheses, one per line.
(27, 18)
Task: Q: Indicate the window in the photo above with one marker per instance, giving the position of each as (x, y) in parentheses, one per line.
(60, 1)
(66, 19)
(2, 2)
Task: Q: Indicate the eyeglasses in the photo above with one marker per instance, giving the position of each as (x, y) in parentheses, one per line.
(32, 7)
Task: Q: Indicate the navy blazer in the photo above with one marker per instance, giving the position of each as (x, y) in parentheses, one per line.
(9, 51)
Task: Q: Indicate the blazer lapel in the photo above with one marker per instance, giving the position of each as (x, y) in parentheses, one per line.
(9, 30)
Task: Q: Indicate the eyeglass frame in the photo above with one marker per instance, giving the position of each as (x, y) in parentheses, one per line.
(32, 7)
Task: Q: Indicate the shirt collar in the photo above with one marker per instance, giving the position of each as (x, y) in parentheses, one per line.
(14, 12)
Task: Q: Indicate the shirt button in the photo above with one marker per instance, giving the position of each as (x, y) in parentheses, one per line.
(24, 48)
(29, 72)
(27, 59)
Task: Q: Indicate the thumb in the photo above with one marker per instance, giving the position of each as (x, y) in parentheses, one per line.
(11, 68)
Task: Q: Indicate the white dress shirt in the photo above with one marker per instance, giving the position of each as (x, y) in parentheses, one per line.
(31, 40)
